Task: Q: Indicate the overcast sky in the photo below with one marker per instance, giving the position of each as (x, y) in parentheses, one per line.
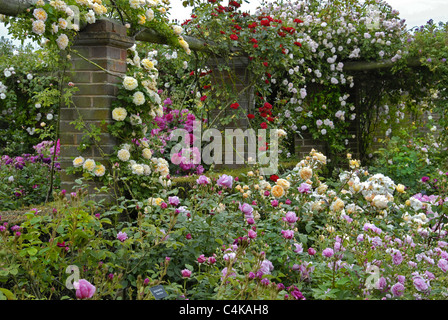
(416, 12)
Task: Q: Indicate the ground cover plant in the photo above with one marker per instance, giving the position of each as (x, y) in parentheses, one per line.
(339, 223)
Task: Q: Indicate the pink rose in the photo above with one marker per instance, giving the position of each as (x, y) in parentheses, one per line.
(84, 289)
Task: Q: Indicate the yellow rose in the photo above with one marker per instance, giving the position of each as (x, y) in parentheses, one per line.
(306, 173)
(322, 188)
(354, 164)
(337, 205)
(89, 165)
(141, 19)
(278, 191)
(100, 170)
(400, 188)
(147, 64)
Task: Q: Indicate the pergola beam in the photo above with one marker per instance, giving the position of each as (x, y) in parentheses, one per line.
(15, 7)
(353, 66)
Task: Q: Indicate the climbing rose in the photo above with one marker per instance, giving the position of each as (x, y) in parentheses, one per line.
(130, 83)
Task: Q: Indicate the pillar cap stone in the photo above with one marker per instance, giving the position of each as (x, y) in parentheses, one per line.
(104, 32)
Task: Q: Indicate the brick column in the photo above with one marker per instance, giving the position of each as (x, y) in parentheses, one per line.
(105, 43)
(246, 100)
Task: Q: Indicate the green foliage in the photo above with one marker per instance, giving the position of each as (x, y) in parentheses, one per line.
(30, 103)
(409, 156)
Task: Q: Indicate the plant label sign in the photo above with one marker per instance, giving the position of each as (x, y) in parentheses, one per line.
(158, 292)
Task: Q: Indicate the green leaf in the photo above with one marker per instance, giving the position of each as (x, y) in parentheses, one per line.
(32, 251)
(8, 294)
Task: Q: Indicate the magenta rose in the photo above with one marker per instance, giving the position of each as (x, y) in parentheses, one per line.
(84, 289)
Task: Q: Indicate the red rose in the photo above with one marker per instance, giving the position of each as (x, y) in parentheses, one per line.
(265, 64)
(274, 177)
(222, 32)
(203, 98)
(234, 105)
(253, 40)
(235, 4)
(233, 37)
(263, 125)
(250, 116)
(298, 43)
(265, 22)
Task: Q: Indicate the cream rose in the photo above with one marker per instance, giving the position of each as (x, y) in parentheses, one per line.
(138, 98)
(130, 83)
(62, 41)
(119, 114)
(78, 161)
(38, 27)
(40, 14)
(123, 155)
(146, 153)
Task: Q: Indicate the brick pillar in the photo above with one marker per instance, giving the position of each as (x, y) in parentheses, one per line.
(246, 100)
(105, 43)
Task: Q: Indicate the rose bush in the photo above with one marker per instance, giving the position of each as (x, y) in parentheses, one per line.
(26, 178)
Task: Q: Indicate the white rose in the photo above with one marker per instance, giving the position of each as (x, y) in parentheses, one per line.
(380, 201)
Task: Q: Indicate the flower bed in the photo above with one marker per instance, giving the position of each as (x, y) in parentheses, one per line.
(292, 237)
